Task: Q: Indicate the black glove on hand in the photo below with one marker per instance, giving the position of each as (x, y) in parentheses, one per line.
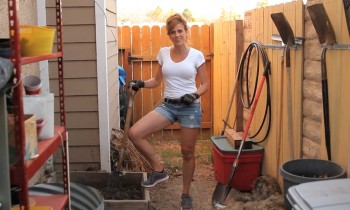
(136, 84)
(189, 98)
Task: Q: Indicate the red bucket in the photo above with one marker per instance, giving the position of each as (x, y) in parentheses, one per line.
(32, 85)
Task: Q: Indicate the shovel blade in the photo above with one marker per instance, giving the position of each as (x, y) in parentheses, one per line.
(283, 28)
(220, 194)
(322, 24)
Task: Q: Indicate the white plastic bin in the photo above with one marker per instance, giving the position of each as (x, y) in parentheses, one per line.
(42, 106)
(331, 194)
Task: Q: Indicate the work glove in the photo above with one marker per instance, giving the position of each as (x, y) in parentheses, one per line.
(136, 84)
(189, 98)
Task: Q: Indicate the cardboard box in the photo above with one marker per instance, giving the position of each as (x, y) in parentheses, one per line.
(31, 138)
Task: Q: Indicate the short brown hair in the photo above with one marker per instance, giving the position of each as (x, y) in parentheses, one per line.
(173, 20)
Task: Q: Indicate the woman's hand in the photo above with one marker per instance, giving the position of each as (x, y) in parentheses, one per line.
(189, 98)
(136, 84)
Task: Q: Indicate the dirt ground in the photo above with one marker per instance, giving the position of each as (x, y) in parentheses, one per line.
(166, 195)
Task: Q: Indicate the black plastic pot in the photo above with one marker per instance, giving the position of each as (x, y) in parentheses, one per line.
(299, 171)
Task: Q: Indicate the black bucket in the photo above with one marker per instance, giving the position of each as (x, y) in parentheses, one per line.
(299, 171)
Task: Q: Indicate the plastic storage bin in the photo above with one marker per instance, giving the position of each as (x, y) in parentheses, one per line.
(331, 194)
(43, 107)
(248, 169)
(36, 40)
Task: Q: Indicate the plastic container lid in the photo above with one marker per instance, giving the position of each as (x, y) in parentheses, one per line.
(331, 194)
(222, 144)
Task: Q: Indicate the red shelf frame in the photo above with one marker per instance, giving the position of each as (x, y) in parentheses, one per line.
(27, 60)
(45, 149)
(24, 170)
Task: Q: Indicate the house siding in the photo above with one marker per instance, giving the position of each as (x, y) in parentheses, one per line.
(81, 74)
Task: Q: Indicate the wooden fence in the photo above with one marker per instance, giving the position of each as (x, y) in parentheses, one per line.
(138, 48)
(223, 44)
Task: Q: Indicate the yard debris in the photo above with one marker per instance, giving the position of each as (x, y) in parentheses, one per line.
(133, 160)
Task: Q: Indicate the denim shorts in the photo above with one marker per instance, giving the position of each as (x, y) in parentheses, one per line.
(188, 116)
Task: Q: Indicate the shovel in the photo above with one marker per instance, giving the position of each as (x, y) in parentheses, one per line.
(131, 95)
(326, 36)
(221, 190)
(288, 39)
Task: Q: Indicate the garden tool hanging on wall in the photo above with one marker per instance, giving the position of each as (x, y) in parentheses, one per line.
(288, 39)
(326, 36)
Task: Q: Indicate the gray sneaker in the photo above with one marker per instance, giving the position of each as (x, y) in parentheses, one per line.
(186, 202)
(154, 178)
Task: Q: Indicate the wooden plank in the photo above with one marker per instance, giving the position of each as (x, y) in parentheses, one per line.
(206, 99)
(136, 72)
(336, 88)
(165, 41)
(155, 47)
(216, 84)
(126, 40)
(226, 41)
(147, 105)
(195, 37)
(273, 144)
(342, 149)
(237, 54)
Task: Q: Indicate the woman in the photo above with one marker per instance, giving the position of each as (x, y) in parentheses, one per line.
(178, 65)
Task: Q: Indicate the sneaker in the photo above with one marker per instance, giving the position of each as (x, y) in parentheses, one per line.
(154, 178)
(186, 202)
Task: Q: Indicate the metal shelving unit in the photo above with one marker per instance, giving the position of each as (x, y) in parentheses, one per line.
(23, 171)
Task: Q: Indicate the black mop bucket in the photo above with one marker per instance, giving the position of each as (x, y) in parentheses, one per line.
(299, 171)
(82, 196)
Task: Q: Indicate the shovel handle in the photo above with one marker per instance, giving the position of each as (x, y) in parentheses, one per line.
(250, 118)
(131, 94)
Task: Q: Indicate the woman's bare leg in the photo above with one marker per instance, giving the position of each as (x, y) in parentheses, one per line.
(150, 123)
(188, 144)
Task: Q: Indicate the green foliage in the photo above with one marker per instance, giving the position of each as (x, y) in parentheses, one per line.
(262, 3)
(187, 14)
(156, 14)
(228, 15)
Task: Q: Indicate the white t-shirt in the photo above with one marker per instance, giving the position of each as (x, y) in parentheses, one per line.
(179, 77)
